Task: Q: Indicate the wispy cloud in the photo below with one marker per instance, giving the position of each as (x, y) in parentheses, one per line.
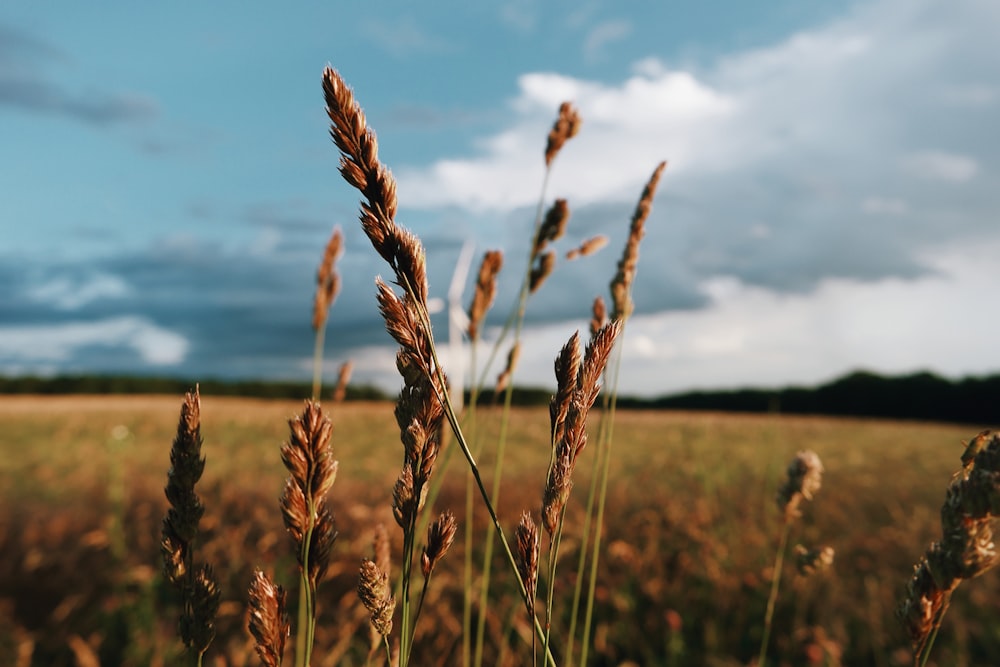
(603, 34)
(404, 36)
(23, 87)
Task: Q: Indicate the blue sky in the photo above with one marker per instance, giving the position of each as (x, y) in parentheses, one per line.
(830, 204)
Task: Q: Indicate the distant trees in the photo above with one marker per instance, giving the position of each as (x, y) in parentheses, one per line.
(971, 400)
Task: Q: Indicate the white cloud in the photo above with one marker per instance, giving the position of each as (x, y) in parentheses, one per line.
(628, 129)
(751, 336)
(938, 165)
(825, 108)
(72, 293)
(46, 344)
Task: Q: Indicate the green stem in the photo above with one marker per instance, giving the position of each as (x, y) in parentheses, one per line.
(318, 361)
(444, 398)
(484, 592)
(602, 443)
(553, 559)
(775, 581)
(924, 654)
(515, 319)
(605, 466)
(405, 636)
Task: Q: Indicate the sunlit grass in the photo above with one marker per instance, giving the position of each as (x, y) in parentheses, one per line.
(690, 527)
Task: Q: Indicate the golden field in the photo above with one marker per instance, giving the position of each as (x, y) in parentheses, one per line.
(685, 573)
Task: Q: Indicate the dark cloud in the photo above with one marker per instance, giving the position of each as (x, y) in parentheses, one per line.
(23, 87)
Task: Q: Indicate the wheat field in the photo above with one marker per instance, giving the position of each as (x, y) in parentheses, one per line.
(690, 534)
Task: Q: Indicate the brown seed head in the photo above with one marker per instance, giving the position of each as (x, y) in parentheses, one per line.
(440, 536)
(621, 284)
(567, 367)
(309, 459)
(180, 526)
(804, 479)
(343, 379)
(599, 316)
(359, 163)
(966, 548)
(376, 595)
(508, 372)
(197, 624)
(569, 414)
(542, 269)
(922, 605)
(553, 226)
(588, 247)
(526, 554)
(360, 166)
(327, 280)
(557, 487)
(268, 622)
(486, 289)
(566, 127)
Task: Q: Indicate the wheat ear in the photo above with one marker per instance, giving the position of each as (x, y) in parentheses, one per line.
(197, 584)
(805, 476)
(966, 547)
(327, 288)
(304, 508)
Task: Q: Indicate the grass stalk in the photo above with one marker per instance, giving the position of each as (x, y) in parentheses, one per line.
(581, 567)
(603, 468)
(775, 582)
(317, 379)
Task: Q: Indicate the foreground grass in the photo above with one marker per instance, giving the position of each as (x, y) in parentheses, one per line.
(689, 535)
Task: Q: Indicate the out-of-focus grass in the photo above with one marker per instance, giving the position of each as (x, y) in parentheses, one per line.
(690, 535)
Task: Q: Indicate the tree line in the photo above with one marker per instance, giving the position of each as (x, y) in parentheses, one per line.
(921, 396)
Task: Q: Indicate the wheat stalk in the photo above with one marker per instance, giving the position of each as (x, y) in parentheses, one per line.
(406, 318)
(309, 459)
(805, 476)
(197, 584)
(621, 297)
(327, 288)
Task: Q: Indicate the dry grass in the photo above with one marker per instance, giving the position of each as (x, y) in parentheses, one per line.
(690, 532)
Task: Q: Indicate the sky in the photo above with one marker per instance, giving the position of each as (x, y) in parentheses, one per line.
(830, 202)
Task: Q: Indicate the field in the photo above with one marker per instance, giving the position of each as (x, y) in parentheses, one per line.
(691, 534)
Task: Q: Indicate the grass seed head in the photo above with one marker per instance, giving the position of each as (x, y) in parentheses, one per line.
(268, 622)
(621, 284)
(599, 316)
(486, 289)
(343, 379)
(588, 247)
(526, 554)
(553, 226)
(327, 279)
(197, 624)
(376, 595)
(440, 536)
(508, 371)
(566, 127)
(312, 471)
(543, 268)
(805, 474)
